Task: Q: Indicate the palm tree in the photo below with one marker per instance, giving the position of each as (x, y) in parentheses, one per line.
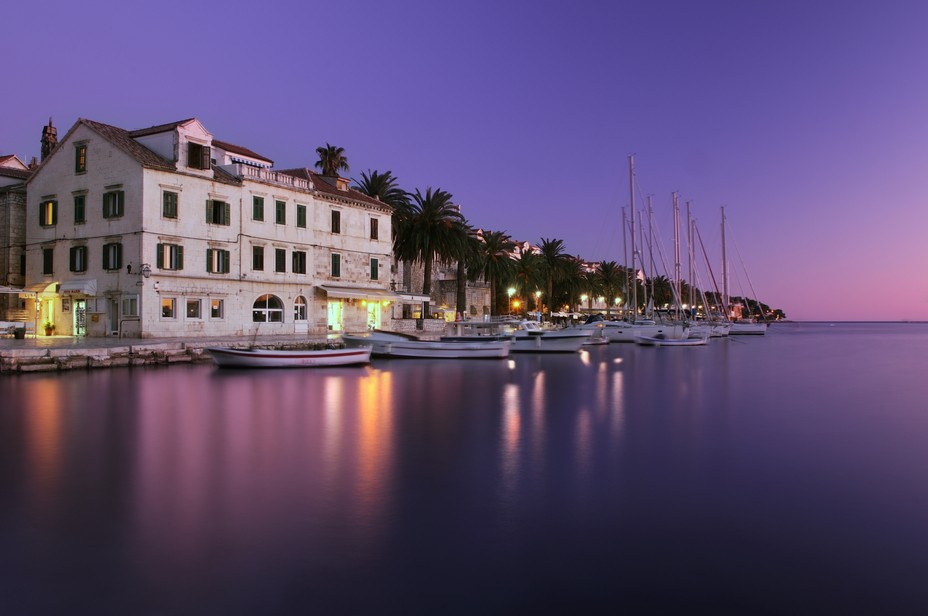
(528, 275)
(426, 229)
(469, 263)
(610, 276)
(383, 186)
(554, 260)
(497, 262)
(331, 160)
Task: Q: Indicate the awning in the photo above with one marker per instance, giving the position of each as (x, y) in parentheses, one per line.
(409, 298)
(37, 289)
(380, 295)
(79, 287)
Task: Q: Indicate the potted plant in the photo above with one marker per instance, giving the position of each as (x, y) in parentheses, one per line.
(49, 328)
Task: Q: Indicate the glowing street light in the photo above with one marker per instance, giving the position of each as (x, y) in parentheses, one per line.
(510, 291)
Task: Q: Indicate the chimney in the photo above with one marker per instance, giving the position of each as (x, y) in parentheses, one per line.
(49, 139)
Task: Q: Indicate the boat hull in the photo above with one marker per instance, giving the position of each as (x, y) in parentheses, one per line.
(387, 345)
(269, 358)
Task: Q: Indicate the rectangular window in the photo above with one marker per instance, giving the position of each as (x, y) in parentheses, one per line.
(336, 265)
(197, 156)
(375, 229)
(257, 258)
(130, 306)
(193, 309)
(257, 208)
(168, 307)
(112, 256)
(48, 260)
(218, 212)
(170, 257)
(113, 204)
(80, 209)
(280, 212)
(299, 262)
(217, 261)
(280, 260)
(80, 158)
(336, 221)
(215, 309)
(78, 259)
(169, 204)
(375, 269)
(48, 213)
(301, 216)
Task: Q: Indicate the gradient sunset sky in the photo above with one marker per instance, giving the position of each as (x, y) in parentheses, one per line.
(807, 120)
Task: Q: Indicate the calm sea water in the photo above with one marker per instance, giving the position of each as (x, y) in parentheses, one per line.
(779, 475)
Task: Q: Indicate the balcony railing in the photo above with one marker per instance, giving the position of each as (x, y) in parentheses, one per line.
(271, 177)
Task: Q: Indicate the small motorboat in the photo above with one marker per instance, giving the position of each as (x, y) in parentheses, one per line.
(274, 358)
(394, 344)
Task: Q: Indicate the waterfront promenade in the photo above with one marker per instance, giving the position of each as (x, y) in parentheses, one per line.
(53, 353)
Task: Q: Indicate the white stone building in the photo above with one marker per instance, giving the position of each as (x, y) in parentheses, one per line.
(166, 231)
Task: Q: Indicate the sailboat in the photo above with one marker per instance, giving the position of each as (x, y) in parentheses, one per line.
(739, 327)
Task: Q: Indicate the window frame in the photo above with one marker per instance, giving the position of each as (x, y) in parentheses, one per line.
(218, 212)
(172, 302)
(80, 158)
(280, 260)
(298, 262)
(48, 213)
(112, 256)
(77, 259)
(375, 229)
(169, 201)
(197, 313)
(301, 211)
(218, 261)
(114, 204)
(335, 270)
(48, 261)
(267, 310)
(199, 156)
(257, 208)
(280, 212)
(257, 254)
(375, 268)
(216, 308)
(80, 209)
(336, 221)
(170, 257)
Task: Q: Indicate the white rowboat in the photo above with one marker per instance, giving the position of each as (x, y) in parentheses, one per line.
(271, 358)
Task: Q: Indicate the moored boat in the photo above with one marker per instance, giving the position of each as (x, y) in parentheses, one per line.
(393, 344)
(275, 358)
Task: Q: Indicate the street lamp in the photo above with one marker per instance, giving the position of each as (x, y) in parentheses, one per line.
(538, 302)
(510, 291)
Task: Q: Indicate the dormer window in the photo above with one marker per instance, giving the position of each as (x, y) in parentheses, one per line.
(198, 156)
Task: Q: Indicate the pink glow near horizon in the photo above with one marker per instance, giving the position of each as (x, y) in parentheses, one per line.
(805, 122)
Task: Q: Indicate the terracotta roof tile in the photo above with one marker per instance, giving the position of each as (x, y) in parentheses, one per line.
(324, 187)
(122, 139)
(161, 128)
(19, 174)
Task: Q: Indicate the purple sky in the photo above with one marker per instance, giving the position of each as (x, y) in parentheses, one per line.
(809, 123)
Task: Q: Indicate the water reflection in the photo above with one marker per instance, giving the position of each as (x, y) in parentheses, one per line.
(189, 490)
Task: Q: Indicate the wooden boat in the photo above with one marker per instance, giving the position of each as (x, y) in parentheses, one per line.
(525, 336)
(271, 358)
(393, 344)
(663, 340)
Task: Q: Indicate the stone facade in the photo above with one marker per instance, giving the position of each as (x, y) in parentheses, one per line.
(13, 175)
(166, 231)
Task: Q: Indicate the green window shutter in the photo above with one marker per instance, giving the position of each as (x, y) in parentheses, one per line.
(180, 257)
(209, 259)
(72, 260)
(209, 211)
(159, 259)
(54, 212)
(226, 214)
(120, 203)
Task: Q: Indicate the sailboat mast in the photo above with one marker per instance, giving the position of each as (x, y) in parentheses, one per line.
(690, 257)
(676, 254)
(631, 192)
(724, 270)
(625, 254)
(651, 254)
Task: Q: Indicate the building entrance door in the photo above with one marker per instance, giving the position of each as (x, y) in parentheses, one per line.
(80, 317)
